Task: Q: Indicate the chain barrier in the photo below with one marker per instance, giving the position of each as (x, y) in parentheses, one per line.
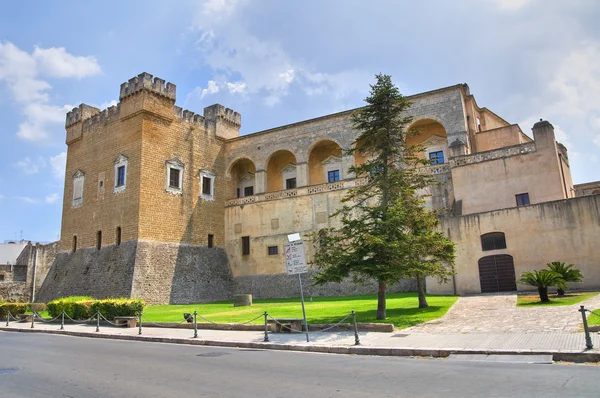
(103, 317)
(35, 314)
(284, 327)
(159, 325)
(334, 326)
(82, 321)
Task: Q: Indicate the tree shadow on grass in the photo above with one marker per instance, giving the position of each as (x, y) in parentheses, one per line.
(402, 317)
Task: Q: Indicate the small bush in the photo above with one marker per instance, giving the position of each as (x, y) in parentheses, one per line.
(14, 308)
(76, 307)
(37, 307)
(82, 307)
(110, 308)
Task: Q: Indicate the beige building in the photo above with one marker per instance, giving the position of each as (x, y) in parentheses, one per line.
(172, 206)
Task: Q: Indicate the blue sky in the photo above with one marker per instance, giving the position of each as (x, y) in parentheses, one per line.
(277, 62)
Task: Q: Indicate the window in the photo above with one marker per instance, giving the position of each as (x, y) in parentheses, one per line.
(120, 173)
(436, 157)
(210, 240)
(1, 277)
(174, 176)
(78, 180)
(522, 199)
(207, 181)
(245, 245)
(74, 243)
(493, 241)
(99, 240)
(290, 183)
(249, 191)
(333, 175)
(237, 191)
(273, 250)
(118, 236)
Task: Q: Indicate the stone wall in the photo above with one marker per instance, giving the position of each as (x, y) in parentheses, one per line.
(14, 292)
(285, 286)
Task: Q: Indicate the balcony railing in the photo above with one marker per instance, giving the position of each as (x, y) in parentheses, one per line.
(292, 193)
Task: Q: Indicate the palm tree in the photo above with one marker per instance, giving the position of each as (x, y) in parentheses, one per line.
(567, 274)
(542, 280)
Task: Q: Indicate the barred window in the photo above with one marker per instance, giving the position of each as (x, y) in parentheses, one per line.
(245, 245)
(493, 241)
(273, 250)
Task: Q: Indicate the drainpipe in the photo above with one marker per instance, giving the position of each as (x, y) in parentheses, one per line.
(35, 261)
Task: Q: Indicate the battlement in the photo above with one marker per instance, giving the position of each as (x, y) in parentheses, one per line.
(218, 113)
(144, 81)
(188, 116)
(79, 114)
(107, 115)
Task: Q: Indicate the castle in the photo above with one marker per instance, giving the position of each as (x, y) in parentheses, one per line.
(175, 207)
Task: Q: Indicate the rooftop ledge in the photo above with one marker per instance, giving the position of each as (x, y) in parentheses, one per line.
(292, 193)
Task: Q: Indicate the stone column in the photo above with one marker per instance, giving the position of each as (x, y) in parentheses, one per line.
(260, 178)
(301, 174)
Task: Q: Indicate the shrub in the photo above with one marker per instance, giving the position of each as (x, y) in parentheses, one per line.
(76, 307)
(37, 307)
(82, 307)
(14, 308)
(542, 280)
(567, 273)
(109, 308)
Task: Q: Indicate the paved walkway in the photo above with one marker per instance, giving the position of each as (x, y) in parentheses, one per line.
(499, 313)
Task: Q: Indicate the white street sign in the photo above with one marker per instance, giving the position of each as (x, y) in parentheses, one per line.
(295, 258)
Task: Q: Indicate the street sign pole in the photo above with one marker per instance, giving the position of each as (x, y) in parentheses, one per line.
(303, 310)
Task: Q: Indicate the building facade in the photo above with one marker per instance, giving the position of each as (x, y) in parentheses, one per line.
(173, 207)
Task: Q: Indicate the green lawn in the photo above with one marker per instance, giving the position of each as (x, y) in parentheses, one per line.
(568, 299)
(594, 319)
(402, 309)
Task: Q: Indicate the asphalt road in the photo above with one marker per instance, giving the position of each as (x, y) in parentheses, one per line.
(38, 365)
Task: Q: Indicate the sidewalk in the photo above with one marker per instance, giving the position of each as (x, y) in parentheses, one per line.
(562, 346)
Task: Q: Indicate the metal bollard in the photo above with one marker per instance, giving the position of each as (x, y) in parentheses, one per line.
(356, 339)
(8, 314)
(586, 329)
(98, 321)
(62, 320)
(140, 324)
(32, 318)
(195, 325)
(266, 328)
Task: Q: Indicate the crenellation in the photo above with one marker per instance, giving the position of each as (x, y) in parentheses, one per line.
(144, 82)
(109, 114)
(188, 116)
(79, 114)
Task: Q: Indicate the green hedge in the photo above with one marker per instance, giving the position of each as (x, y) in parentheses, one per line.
(81, 307)
(15, 309)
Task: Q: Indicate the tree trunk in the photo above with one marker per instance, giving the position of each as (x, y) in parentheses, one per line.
(421, 291)
(543, 291)
(381, 301)
(560, 292)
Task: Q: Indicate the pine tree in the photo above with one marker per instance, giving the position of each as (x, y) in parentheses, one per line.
(386, 232)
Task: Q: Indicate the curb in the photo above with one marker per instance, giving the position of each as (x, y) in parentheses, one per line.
(557, 355)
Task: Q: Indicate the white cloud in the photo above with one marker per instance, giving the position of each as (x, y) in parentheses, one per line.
(27, 199)
(52, 198)
(108, 104)
(512, 5)
(212, 88)
(27, 166)
(21, 71)
(58, 164)
(259, 67)
(57, 62)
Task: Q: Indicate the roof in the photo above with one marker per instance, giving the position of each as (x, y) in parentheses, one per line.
(9, 252)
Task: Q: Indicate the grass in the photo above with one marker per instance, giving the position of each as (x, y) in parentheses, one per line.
(594, 319)
(567, 299)
(402, 310)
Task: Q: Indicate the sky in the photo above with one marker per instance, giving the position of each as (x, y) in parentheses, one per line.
(278, 62)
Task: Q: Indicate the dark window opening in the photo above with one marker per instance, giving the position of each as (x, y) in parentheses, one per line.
(436, 157)
(174, 178)
(118, 236)
(273, 250)
(237, 191)
(249, 191)
(1, 277)
(210, 240)
(74, 243)
(120, 176)
(290, 183)
(333, 176)
(245, 245)
(522, 199)
(99, 240)
(206, 186)
(493, 241)
(101, 184)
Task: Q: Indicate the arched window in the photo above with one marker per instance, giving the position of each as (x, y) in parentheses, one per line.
(99, 240)
(493, 241)
(74, 243)
(118, 236)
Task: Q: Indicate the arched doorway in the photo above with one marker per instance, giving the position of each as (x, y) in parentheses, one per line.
(281, 171)
(243, 182)
(497, 274)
